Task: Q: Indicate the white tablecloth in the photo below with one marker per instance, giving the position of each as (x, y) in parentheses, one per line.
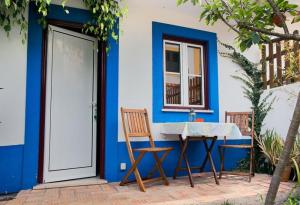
(209, 129)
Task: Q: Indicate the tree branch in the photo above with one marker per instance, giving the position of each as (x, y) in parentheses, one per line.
(229, 25)
(280, 15)
(229, 10)
(285, 36)
(226, 6)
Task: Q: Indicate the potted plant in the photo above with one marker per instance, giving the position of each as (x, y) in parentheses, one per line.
(271, 145)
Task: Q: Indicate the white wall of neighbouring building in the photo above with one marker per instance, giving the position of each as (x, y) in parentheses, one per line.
(13, 59)
(279, 118)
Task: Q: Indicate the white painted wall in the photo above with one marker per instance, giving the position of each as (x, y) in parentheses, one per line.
(71, 3)
(13, 58)
(135, 51)
(280, 116)
(135, 64)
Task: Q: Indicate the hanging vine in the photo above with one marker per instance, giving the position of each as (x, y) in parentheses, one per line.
(104, 13)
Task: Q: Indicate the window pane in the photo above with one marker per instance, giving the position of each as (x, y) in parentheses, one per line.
(172, 53)
(194, 60)
(195, 91)
(173, 88)
(195, 76)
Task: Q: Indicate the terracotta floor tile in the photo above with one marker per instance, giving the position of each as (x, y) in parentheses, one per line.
(179, 192)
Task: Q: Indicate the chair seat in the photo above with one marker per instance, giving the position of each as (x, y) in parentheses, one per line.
(153, 149)
(236, 146)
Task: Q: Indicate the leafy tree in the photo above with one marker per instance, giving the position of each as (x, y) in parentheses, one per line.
(105, 14)
(254, 22)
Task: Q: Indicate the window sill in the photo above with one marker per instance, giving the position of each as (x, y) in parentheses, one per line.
(185, 110)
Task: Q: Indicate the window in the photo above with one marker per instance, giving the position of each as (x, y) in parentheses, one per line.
(184, 74)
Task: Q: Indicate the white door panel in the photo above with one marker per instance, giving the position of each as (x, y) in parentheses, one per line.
(70, 129)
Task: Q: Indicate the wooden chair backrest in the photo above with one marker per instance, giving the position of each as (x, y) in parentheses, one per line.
(136, 124)
(242, 120)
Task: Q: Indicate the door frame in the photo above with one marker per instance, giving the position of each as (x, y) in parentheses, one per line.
(101, 98)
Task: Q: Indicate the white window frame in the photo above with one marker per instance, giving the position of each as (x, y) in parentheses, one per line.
(184, 80)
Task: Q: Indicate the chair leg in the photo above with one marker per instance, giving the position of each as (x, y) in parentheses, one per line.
(161, 161)
(253, 161)
(251, 164)
(222, 153)
(160, 169)
(136, 173)
(139, 180)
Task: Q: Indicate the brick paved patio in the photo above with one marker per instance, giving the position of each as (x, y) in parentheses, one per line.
(233, 189)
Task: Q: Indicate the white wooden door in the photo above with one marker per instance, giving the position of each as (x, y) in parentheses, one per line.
(71, 93)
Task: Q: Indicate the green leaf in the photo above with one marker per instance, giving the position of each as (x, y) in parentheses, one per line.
(296, 19)
(255, 38)
(7, 3)
(7, 27)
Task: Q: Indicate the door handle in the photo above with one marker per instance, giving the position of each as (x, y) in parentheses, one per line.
(94, 105)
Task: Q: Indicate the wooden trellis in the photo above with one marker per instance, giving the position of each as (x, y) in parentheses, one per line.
(280, 62)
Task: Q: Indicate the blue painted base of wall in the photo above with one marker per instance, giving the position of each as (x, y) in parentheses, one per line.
(11, 161)
(11, 158)
(196, 155)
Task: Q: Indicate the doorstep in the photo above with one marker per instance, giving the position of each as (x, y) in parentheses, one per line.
(71, 183)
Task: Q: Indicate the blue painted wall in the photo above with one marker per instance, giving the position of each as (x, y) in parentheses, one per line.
(158, 30)
(11, 158)
(19, 167)
(33, 90)
(111, 118)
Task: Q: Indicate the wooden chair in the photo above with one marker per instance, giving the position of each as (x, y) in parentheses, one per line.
(242, 120)
(136, 124)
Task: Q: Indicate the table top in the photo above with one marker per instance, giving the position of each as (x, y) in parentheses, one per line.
(199, 129)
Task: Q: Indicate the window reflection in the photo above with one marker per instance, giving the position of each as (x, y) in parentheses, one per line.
(173, 73)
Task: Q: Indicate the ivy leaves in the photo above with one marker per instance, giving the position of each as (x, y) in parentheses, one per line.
(194, 2)
(105, 15)
(7, 3)
(12, 13)
(253, 85)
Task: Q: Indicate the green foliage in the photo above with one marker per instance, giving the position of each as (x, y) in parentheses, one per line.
(105, 14)
(253, 86)
(253, 91)
(179, 2)
(293, 200)
(238, 14)
(227, 203)
(297, 170)
(11, 13)
(294, 197)
(271, 145)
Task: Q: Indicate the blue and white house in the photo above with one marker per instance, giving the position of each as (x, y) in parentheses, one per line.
(60, 86)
